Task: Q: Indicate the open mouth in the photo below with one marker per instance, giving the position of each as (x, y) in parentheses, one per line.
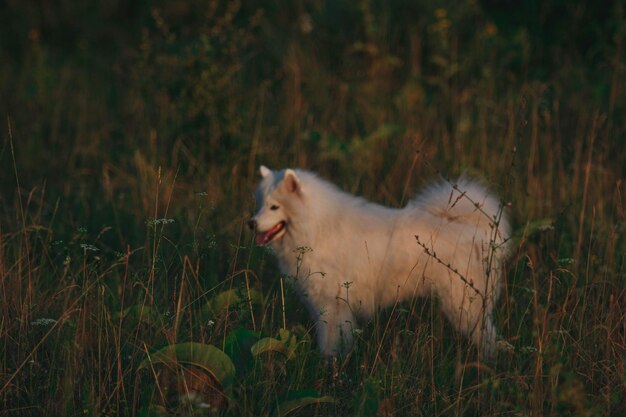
(263, 238)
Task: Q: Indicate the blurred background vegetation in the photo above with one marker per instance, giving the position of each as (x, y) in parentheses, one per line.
(103, 97)
(100, 94)
(119, 116)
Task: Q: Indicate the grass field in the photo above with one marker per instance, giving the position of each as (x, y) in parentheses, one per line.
(131, 139)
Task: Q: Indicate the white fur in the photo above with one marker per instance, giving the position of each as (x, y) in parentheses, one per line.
(347, 257)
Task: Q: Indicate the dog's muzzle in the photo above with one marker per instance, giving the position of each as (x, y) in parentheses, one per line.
(251, 224)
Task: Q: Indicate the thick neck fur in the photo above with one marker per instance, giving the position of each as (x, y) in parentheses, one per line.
(321, 210)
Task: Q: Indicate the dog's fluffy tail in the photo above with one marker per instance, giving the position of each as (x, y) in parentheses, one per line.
(467, 202)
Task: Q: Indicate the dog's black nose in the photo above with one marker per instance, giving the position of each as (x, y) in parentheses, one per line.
(252, 224)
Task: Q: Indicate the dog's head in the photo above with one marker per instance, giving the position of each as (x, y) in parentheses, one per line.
(276, 195)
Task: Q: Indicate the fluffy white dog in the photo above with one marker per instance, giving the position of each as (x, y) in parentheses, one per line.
(347, 257)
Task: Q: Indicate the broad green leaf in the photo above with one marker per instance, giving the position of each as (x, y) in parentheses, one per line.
(289, 341)
(142, 314)
(297, 402)
(229, 299)
(224, 300)
(268, 344)
(286, 344)
(207, 357)
(284, 334)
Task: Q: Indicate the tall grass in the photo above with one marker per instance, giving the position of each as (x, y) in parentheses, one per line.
(127, 178)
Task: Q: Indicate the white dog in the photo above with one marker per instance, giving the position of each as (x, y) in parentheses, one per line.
(347, 257)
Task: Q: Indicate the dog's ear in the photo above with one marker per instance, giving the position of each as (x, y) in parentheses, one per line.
(265, 171)
(291, 182)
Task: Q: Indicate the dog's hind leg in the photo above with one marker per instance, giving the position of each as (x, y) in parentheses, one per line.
(484, 337)
(470, 316)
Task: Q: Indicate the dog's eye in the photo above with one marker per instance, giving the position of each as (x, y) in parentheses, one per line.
(273, 207)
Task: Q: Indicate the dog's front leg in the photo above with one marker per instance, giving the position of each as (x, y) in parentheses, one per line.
(334, 328)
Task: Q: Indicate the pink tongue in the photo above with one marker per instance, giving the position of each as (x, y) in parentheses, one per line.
(262, 238)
